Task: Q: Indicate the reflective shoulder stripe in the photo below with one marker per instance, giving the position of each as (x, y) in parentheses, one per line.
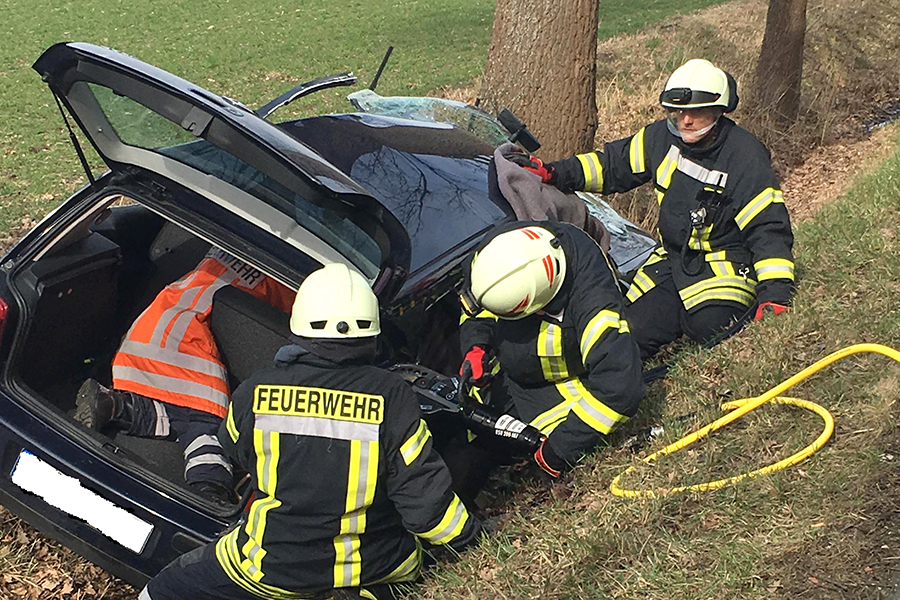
(636, 152)
(593, 171)
(665, 170)
(597, 326)
(774, 268)
(594, 413)
(757, 205)
(451, 524)
(413, 447)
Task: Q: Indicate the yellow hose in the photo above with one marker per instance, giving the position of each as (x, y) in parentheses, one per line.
(741, 407)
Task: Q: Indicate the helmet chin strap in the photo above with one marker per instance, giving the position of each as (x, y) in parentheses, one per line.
(700, 134)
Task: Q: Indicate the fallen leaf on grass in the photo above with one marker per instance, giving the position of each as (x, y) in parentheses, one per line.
(813, 580)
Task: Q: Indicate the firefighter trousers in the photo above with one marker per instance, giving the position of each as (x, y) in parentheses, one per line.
(197, 575)
(658, 316)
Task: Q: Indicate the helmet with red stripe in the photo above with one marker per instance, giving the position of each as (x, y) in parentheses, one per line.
(518, 272)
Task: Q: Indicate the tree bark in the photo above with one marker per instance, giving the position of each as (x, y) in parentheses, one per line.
(780, 66)
(542, 65)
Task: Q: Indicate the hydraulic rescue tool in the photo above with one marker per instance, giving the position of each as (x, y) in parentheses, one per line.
(439, 393)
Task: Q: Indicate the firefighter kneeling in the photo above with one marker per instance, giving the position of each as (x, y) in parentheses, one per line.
(346, 480)
(542, 296)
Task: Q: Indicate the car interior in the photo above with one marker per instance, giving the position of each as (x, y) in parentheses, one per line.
(85, 292)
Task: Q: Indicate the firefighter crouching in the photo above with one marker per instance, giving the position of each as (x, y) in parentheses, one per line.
(346, 480)
(725, 232)
(543, 298)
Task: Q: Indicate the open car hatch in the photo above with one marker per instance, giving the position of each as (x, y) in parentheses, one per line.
(137, 115)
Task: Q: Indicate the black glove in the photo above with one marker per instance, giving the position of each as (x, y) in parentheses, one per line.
(531, 163)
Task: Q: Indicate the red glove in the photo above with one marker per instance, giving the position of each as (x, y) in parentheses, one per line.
(769, 308)
(476, 365)
(533, 164)
(547, 459)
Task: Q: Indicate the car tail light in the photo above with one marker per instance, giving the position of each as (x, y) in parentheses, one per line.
(4, 309)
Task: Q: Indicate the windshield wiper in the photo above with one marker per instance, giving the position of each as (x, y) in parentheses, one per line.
(304, 89)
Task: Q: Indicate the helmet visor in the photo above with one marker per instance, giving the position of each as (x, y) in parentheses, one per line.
(687, 97)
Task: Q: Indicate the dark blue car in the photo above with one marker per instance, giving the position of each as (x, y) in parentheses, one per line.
(402, 201)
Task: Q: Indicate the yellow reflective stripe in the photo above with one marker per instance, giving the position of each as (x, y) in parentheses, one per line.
(450, 526)
(700, 242)
(364, 593)
(412, 448)
(233, 432)
(718, 255)
(757, 205)
(408, 570)
(719, 281)
(550, 419)
(664, 172)
(634, 292)
(550, 352)
(722, 268)
(636, 152)
(362, 477)
(589, 409)
(593, 171)
(603, 320)
(730, 294)
(267, 445)
(482, 315)
(774, 268)
(228, 556)
(659, 196)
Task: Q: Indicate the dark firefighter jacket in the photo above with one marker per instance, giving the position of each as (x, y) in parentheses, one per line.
(738, 247)
(343, 468)
(575, 370)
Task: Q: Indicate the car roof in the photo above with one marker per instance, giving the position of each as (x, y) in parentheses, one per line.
(216, 147)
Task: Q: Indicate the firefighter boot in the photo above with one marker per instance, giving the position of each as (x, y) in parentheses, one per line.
(98, 407)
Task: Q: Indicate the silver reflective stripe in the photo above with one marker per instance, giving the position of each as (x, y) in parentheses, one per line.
(359, 502)
(458, 515)
(173, 357)
(207, 459)
(347, 567)
(584, 404)
(162, 419)
(171, 384)
(162, 323)
(200, 441)
(183, 320)
(701, 173)
(318, 427)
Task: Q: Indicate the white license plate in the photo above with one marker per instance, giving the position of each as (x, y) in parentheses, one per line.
(67, 494)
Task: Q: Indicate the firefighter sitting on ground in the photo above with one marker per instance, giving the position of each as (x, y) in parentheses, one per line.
(342, 467)
(725, 232)
(542, 297)
(168, 379)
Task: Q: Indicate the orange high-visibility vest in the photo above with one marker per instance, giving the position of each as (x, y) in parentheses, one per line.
(170, 355)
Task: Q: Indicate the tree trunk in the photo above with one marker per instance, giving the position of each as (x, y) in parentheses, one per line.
(542, 65)
(780, 66)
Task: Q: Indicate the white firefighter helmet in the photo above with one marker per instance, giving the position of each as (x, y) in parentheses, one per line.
(335, 302)
(518, 272)
(698, 83)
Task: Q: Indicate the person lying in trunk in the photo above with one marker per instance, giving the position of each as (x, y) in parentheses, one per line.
(168, 378)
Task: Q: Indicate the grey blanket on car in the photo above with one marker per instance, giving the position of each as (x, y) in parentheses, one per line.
(533, 200)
